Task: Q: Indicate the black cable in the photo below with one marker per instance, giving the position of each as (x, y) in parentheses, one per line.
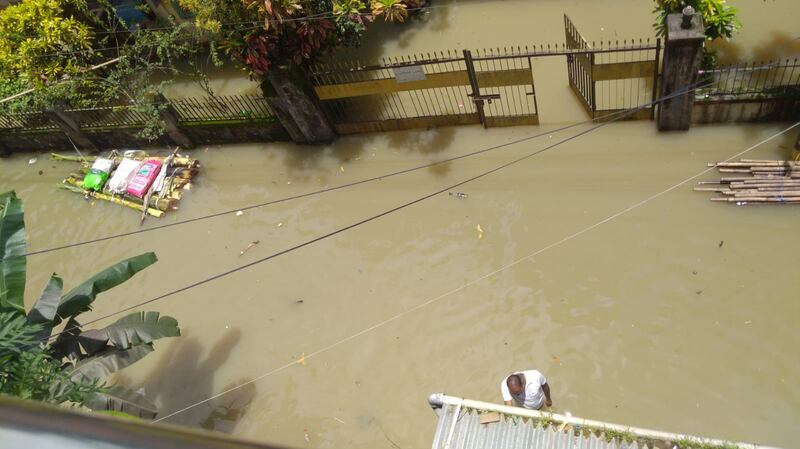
(361, 222)
(350, 184)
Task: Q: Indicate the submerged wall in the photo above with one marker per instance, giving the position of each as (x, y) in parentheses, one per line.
(207, 134)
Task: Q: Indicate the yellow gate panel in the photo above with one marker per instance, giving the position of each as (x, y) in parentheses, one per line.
(623, 70)
(497, 78)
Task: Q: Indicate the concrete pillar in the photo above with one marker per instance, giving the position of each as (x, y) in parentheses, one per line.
(297, 108)
(683, 54)
(170, 119)
(70, 126)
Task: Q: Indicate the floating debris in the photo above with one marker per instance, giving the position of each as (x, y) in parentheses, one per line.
(252, 244)
(459, 195)
(133, 179)
(239, 213)
(32, 160)
(480, 232)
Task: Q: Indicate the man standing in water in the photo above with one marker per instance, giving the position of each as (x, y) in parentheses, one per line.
(528, 389)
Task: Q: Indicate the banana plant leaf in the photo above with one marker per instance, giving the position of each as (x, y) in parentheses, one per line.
(132, 330)
(119, 399)
(44, 311)
(80, 298)
(109, 361)
(12, 254)
(66, 345)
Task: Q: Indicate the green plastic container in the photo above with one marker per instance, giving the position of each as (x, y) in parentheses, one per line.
(98, 174)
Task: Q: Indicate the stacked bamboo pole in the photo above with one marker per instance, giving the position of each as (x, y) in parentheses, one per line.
(757, 182)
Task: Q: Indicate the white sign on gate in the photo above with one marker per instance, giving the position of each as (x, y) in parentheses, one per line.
(409, 73)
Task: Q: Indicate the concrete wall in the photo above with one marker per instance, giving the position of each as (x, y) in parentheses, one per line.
(732, 111)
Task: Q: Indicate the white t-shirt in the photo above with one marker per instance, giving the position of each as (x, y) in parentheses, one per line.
(532, 396)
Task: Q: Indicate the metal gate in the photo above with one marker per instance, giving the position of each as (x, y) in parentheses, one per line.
(490, 88)
(613, 77)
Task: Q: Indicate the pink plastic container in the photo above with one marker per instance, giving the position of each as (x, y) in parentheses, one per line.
(143, 178)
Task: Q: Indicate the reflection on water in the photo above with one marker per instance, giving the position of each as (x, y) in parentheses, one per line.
(613, 317)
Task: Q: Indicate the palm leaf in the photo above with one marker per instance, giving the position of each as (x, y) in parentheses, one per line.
(80, 298)
(109, 361)
(119, 399)
(12, 254)
(132, 330)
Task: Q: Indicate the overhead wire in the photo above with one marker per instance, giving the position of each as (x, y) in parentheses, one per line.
(356, 224)
(471, 283)
(694, 87)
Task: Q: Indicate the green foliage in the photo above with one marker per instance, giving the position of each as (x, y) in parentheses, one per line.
(12, 254)
(41, 42)
(545, 420)
(34, 374)
(618, 435)
(74, 368)
(134, 330)
(80, 298)
(266, 34)
(47, 45)
(16, 335)
(699, 443)
(719, 19)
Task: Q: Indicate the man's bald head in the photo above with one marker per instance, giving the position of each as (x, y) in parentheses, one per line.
(514, 383)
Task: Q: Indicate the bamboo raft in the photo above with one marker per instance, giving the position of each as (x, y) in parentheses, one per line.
(181, 170)
(755, 182)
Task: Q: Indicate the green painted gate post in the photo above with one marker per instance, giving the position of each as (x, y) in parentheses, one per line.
(683, 53)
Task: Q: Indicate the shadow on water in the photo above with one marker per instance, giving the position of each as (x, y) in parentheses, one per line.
(430, 141)
(780, 45)
(182, 378)
(426, 142)
(308, 157)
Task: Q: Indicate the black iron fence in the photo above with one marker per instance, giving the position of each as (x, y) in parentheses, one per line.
(579, 66)
(626, 78)
(396, 93)
(749, 92)
(234, 108)
(25, 120)
(222, 108)
(751, 81)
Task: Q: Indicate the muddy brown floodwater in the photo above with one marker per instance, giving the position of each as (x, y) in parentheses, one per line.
(680, 315)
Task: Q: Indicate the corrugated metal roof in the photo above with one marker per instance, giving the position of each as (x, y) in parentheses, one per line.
(511, 432)
(507, 427)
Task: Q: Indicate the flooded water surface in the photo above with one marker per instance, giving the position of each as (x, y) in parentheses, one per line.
(680, 314)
